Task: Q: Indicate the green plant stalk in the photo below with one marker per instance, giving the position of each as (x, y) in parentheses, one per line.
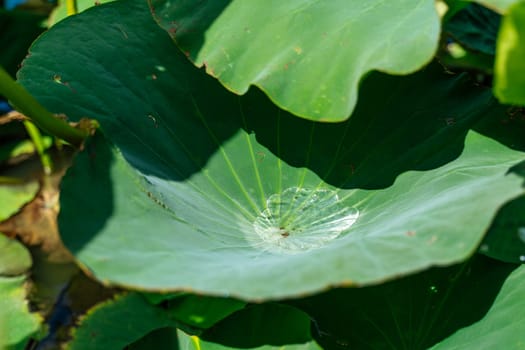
(36, 137)
(71, 7)
(29, 106)
(196, 342)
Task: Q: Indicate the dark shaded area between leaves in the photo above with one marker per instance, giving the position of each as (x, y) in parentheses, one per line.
(413, 312)
(504, 239)
(162, 338)
(476, 28)
(18, 29)
(257, 325)
(187, 31)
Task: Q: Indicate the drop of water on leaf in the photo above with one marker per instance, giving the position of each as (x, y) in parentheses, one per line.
(433, 289)
(521, 234)
(300, 219)
(522, 258)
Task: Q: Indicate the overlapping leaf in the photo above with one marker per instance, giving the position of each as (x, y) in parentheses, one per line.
(502, 327)
(190, 187)
(457, 307)
(307, 55)
(114, 324)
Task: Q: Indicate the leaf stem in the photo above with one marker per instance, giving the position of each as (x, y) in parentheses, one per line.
(71, 7)
(36, 137)
(29, 106)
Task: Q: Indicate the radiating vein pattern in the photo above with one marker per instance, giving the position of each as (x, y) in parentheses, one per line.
(300, 219)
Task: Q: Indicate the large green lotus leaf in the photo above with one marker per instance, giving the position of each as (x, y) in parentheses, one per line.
(307, 55)
(15, 196)
(509, 68)
(421, 310)
(502, 327)
(114, 324)
(190, 187)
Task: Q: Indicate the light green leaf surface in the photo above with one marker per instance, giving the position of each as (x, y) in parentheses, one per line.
(17, 324)
(307, 55)
(509, 75)
(14, 257)
(14, 197)
(190, 187)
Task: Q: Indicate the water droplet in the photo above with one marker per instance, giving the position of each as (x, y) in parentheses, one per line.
(160, 68)
(522, 258)
(484, 248)
(433, 289)
(300, 219)
(521, 234)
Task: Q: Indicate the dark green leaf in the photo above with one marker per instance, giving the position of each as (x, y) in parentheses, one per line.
(505, 239)
(421, 310)
(202, 312)
(502, 327)
(114, 324)
(163, 338)
(187, 342)
(258, 325)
